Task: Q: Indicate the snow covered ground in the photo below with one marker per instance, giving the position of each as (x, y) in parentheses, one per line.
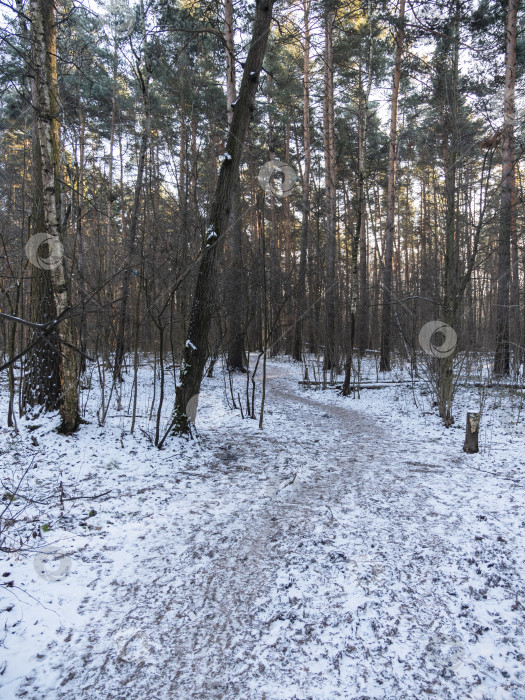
(350, 549)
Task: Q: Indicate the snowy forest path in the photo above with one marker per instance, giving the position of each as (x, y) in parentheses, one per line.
(323, 553)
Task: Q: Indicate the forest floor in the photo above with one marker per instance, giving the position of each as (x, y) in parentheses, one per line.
(350, 549)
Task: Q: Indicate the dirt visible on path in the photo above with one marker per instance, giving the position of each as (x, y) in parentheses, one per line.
(319, 558)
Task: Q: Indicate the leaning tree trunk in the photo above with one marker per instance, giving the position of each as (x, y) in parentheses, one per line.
(44, 57)
(196, 348)
(507, 211)
(386, 318)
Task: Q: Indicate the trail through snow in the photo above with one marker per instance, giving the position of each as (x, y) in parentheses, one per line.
(339, 553)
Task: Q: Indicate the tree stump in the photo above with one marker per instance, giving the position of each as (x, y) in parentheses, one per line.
(471, 436)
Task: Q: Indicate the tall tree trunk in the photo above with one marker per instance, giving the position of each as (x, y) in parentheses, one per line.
(515, 329)
(330, 359)
(111, 197)
(386, 317)
(196, 350)
(287, 234)
(455, 279)
(234, 291)
(144, 77)
(362, 310)
(42, 370)
(362, 303)
(44, 58)
(301, 281)
(42, 366)
(449, 118)
(508, 209)
(356, 233)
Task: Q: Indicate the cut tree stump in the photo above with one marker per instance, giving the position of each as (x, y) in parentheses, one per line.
(471, 436)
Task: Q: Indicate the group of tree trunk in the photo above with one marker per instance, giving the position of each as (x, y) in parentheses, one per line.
(398, 218)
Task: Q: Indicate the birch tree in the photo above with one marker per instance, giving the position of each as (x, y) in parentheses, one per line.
(43, 33)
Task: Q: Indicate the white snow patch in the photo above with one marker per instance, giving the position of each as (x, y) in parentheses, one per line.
(348, 549)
